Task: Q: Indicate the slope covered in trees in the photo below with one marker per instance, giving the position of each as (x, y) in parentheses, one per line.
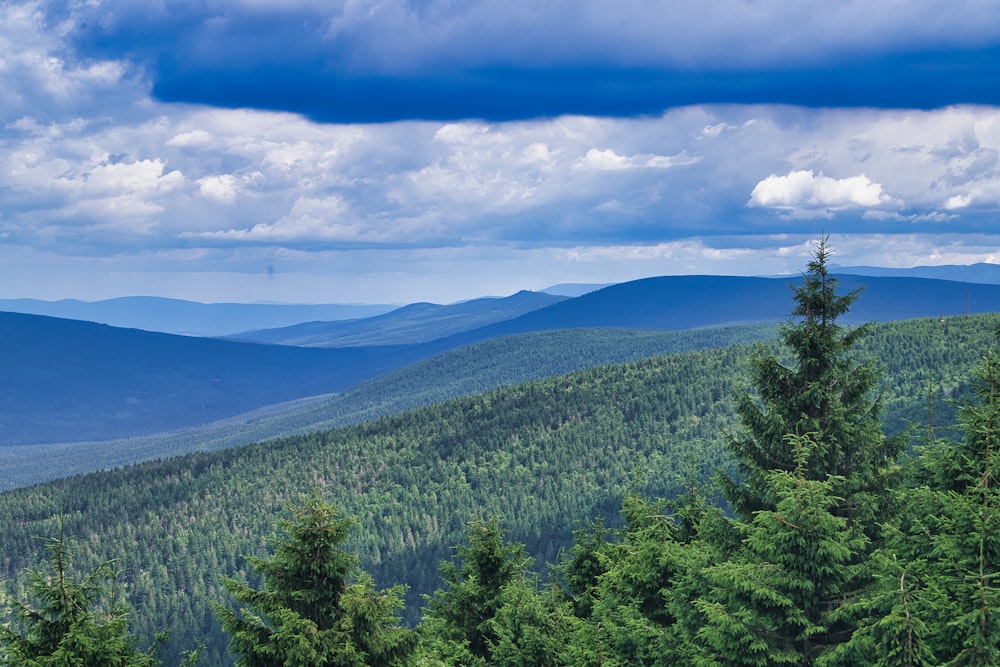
(471, 369)
(547, 456)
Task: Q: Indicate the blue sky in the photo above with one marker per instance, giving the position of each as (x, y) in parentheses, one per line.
(392, 151)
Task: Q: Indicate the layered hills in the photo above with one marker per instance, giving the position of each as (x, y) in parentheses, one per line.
(545, 455)
(190, 318)
(73, 382)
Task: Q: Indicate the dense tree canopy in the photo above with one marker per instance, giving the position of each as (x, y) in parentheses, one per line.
(316, 609)
(829, 551)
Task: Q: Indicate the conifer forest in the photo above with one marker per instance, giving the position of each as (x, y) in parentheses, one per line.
(827, 497)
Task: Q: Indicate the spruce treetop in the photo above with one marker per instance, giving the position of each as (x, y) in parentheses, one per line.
(827, 391)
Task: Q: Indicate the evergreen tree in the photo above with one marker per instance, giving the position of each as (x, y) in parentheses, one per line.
(816, 478)
(781, 600)
(316, 608)
(950, 534)
(583, 566)
(459, 619)
(533, 628)
(826, 392)
(73, 622)
(643, 608)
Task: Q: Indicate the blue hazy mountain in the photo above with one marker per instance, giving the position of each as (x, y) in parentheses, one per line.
(415, 323)
(686, 302)
(67, 381)
(190, 317)
(972, 273)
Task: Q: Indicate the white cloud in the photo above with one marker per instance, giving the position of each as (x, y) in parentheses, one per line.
(220, 188)
(310, 219)
(609, 160)
(982, 195)
(39, 81)
(194, 138)
(806, 190)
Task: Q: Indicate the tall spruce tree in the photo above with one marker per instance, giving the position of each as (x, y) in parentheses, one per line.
(828, 392)
(816, 474)
(317, 607)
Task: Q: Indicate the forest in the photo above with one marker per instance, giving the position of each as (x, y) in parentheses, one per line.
(828, 498)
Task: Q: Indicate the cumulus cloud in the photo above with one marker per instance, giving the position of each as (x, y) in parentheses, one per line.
(220, 188)
(44, 79)
(319, 222)
(983, 195)
(97, 173)
(805, 190)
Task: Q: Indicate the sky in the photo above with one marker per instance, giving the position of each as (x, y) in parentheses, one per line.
(392, 151)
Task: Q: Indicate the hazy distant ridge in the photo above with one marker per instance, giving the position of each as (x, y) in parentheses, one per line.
(70, 381)
(189, 317)
(415, 323)
(973, 273)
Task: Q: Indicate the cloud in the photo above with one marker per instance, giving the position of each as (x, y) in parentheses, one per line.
(805, 191)
(386, 60)
(44, 79)
(983, 195)
(221, 188)
(608, 160)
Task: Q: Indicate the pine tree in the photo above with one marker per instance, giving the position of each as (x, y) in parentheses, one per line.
(74, 622)
(458, 623)
(816, 479)
(316, 608)
(826, 392)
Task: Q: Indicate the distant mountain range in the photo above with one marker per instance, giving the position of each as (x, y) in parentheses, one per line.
(416, 323)
(972, 273)
(67, 380)
(190, 318)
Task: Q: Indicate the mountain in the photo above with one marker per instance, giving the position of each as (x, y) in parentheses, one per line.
(415, 323)
(547, 456)
(972, 273)
(66, 380)
(574, 289)
(189, 318)
(686, 302)
(468, 370)
(69, 381)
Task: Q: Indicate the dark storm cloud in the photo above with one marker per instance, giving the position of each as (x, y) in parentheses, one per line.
(388, 61)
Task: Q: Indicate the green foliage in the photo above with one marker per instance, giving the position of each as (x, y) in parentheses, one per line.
(72, 622)
(951, 532)
(463, 612)
(315, 609)
(532, 629)
(472, 369)
(781, 601)
(827, 392)
(548, 454)
(582, 566)
(643, 604)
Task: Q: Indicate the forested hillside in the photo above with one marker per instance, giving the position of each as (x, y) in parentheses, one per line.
(547, 456)
(471, 369)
